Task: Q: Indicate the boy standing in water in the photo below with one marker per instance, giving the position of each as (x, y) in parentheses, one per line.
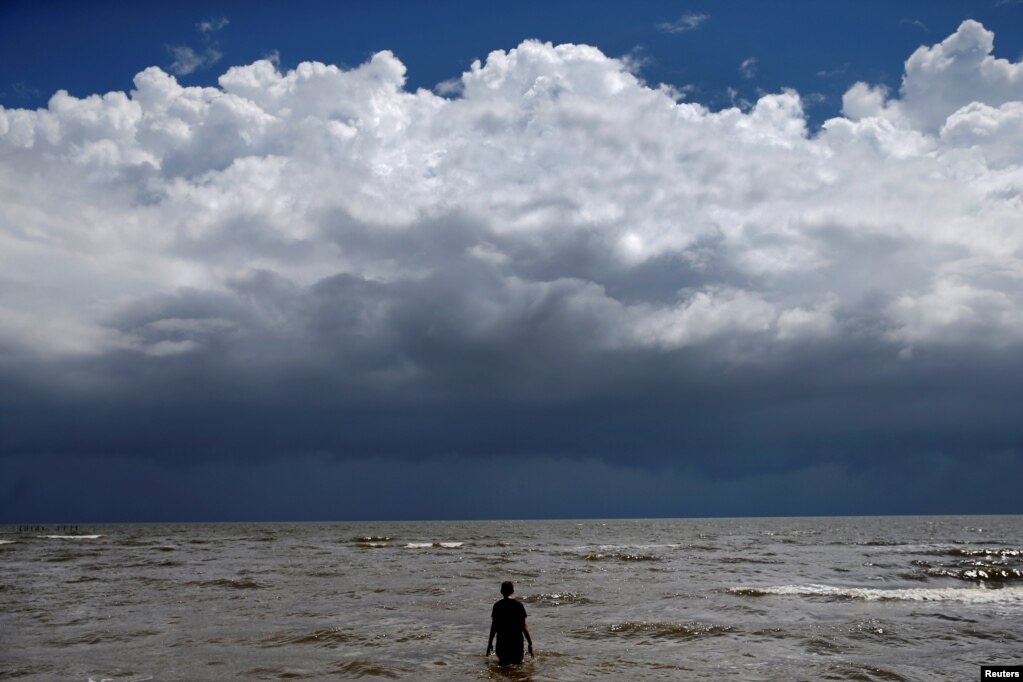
(508, 622)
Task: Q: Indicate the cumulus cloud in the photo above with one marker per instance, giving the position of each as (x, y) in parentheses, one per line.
(941, 79)
(553, 230)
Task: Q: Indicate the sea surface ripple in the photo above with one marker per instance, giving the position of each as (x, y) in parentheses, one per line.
(872, 598)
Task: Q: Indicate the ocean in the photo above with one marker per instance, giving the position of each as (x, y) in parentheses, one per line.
(881, 598)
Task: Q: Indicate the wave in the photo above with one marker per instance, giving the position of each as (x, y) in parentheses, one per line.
(878, 543)
(86, 579)
(241, 584)
(434, 545)
(358, 668)
(8, 542)
(371, 545)
(940, 594)
(268, 673)
(968, 552)
(975, 564)
(556, 598)
(645, 630)
(620, 556)
(979, 573)
(325, 573)
(326, 638)
(94, 638)
(372, 538)
(748, 560)
(1000, 552)
(70, 537)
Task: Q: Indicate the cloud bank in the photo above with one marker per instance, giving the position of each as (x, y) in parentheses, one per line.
(560, 259)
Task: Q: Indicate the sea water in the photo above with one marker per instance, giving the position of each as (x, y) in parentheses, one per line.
(921, 598)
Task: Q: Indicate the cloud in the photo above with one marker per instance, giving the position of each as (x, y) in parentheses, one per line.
(187, 60)
(20, 92)
(748, 68)
(941, 79)
(687, 22)
(554, 259)
(274, 57)
(915, 23)
(212, 25)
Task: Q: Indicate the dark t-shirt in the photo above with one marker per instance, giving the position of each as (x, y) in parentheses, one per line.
(509, 617)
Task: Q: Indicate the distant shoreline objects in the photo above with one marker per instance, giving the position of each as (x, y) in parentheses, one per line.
(64, 529)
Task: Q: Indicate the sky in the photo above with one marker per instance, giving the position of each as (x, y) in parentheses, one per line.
(353, 261)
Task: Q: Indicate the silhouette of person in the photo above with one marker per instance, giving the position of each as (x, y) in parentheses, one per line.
(508, 622)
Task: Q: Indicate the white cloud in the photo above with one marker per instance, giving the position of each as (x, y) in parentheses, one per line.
(952, 311)
(187, 60)
(748, 68)
(552, 191)
(959, 71)
(687, 22)
(801, 323)
(941, 79)
(212, 25)
(274, 57)
(707, 315)
(915, 23)
(995, 132)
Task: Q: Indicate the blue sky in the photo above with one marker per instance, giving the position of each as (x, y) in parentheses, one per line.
(818, 48)
(435, 260)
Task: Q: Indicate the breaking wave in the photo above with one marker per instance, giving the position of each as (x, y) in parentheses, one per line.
(556, 598)
(979, 573)
(938, 594)
(976, 564)
(620, 556)
(997, 552)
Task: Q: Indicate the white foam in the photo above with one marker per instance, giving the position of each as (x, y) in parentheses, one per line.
(7, 542)
(965, 595)
(427, 545)
(71, 537)
(617, 548)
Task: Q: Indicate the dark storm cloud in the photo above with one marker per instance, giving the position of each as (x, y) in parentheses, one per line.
(367, 369)
(318, 272)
